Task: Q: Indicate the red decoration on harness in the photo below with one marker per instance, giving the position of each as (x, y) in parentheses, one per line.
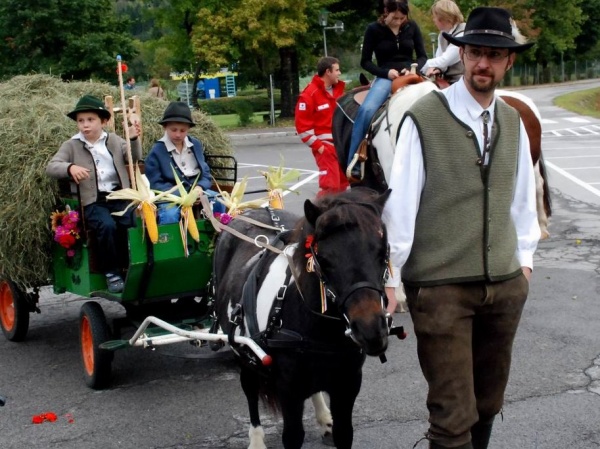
(308, 243)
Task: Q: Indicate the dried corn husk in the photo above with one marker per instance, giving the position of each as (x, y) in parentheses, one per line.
(277, 182)
(234, 200)
(143, 198)
(185, 199)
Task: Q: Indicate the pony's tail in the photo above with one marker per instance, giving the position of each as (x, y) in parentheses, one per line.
(546, 192)
(268, 397)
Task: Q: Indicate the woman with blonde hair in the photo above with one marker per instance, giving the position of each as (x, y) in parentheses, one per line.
(155, 89)
(447, 18)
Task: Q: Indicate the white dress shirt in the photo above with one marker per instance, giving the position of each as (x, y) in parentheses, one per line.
(107, 176)
(444, 59)
(407, 180)
(186, 160)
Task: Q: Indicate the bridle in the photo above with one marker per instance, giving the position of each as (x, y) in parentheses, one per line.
(340, 300)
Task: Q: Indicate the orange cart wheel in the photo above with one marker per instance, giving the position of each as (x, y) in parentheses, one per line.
(93, 331)
(14, 313)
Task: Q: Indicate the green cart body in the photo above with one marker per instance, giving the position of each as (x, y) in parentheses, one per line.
(156, 271)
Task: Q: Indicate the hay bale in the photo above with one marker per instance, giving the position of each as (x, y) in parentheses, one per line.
(33, 124)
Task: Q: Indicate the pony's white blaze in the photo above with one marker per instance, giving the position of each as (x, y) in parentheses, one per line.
(257, 438)
(269, 288)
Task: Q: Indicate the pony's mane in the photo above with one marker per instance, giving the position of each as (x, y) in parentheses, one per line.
(355, 208)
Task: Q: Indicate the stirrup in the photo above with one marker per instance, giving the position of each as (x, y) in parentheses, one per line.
(355, 174)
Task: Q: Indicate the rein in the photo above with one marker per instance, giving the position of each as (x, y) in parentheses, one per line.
(219, 227)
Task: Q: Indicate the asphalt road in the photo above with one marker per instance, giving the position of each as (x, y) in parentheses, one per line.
(184, 397)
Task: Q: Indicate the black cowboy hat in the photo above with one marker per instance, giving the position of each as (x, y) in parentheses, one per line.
(89, 103)
(178, 111)
(488, 27)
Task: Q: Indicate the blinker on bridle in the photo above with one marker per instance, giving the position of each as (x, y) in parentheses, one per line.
(327, 293)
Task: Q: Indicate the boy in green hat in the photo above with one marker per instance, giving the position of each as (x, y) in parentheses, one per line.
(95, 163)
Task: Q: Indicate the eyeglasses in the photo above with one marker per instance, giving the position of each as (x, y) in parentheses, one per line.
(475, 54)
(394, 6)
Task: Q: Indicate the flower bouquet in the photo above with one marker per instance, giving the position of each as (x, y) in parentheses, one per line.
(65, 226)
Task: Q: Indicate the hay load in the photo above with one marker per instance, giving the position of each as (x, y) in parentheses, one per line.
(33, 124)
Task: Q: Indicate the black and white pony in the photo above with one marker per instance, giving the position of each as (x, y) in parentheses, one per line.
(316, 305)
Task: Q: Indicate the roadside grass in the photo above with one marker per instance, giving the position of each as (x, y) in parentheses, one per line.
(232, 121)
(584, 102)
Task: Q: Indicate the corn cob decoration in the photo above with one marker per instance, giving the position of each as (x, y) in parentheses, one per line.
(277, 180)
(187, 221)
(233, 201)
(143, 198)
(149, 220)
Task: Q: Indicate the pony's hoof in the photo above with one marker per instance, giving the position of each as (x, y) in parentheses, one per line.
(327, 439)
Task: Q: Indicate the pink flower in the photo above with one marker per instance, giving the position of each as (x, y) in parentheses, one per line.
(223, 218)
(66, 229)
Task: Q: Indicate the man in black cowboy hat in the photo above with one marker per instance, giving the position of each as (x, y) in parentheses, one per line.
(463, 226)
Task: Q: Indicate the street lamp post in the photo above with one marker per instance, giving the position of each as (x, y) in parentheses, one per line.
(338, 27)
(433, 38)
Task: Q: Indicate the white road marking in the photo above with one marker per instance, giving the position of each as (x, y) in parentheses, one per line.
(571, 157)
(576, 120)
(577, 181)
(581, 168)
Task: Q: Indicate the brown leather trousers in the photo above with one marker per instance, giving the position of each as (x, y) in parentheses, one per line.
(465, 335)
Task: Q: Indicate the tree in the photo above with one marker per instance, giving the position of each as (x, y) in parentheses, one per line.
(587, 41)
(226, 30)
(557, 35)
(78, 39)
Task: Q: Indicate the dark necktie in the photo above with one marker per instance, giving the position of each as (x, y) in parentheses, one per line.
(485, 154)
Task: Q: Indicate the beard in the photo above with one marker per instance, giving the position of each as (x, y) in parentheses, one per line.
(486, 85)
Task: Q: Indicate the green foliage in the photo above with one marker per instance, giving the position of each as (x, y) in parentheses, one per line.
(232, 105)
(245, 112)
(557, 35)
(587, 41)
(584, 102)
(77, 39)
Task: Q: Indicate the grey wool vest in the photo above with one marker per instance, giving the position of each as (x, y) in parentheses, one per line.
(464, 230)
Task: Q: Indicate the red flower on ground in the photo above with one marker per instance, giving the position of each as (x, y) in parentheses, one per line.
(43, 417)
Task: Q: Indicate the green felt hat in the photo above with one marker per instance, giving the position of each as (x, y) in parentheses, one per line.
(89, 103)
